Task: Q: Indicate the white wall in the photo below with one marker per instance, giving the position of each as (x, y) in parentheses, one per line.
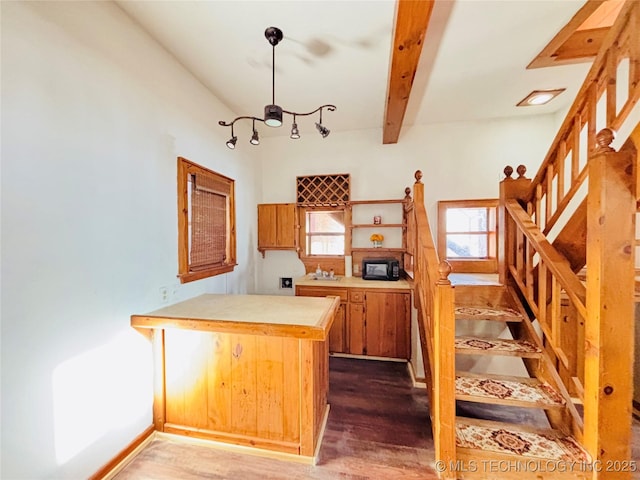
(94, 114)
(458, 161)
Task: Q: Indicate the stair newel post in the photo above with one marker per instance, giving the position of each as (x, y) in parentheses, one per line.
(510, 188)
(444, 378)
(609, 326)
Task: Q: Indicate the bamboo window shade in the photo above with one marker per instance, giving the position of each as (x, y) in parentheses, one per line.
(208, 222)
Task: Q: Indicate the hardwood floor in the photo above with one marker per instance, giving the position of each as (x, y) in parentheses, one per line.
(378, 428)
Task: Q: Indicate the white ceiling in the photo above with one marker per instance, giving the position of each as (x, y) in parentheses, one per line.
(473, 63)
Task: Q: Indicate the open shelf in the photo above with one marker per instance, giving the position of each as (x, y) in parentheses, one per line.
(379, 225)
(374, 202)
(381, 249)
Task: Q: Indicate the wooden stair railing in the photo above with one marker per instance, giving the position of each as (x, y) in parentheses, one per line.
(434, 302)
(607, 98)
(587, 327)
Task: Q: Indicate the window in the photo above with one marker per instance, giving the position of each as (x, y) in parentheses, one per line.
(467, 235)
(324, 232)
(206, 222)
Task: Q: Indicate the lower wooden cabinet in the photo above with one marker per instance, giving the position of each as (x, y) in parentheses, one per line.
(337, 334)
(373, 322)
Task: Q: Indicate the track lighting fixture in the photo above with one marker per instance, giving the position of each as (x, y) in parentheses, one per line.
(295, 134)
(231, 143)
(255, 140)
(273, 113)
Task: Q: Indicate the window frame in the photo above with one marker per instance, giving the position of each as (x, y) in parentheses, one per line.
(186, 169)
(471, 264)
(303, 211)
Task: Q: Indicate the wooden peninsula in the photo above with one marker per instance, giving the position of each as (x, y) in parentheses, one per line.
(243, 369)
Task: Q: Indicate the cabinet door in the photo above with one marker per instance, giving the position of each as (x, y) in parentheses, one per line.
(387, 324)
(337, 334)
(286, 225)
(356, 327)
(267, 225)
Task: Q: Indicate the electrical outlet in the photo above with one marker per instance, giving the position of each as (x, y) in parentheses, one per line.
(164, 294)
(286, 282)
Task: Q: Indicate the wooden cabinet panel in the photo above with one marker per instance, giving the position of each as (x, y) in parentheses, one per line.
(356, 296)
(387, 324)
(276, 226)
(338, 334)
(305, 291)
(286, 225)
(356, 328)
(267, 234)
(374, 322)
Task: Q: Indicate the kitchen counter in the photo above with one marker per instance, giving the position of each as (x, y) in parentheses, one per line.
(352, 282)
(254, 314)
(249, 370)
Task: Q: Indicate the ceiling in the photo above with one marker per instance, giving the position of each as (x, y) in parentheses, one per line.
(473, 64)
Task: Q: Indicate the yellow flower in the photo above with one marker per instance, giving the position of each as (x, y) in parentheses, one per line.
(376, 237)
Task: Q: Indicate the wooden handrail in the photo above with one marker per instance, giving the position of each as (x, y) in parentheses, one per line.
(434, 300)
(629, 12)
(563, 171)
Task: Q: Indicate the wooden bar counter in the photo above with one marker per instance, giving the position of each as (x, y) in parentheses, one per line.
(243, 369)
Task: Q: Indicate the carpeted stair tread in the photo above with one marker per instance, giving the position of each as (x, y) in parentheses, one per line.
(508, 439)
(505, 390)
(502, 314)
(496, 346)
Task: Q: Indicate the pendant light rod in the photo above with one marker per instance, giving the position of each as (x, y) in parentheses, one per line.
(273, 113)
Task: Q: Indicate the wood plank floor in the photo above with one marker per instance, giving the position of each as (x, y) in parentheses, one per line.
(378, 428)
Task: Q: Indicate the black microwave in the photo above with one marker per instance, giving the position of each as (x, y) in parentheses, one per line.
(380, 269)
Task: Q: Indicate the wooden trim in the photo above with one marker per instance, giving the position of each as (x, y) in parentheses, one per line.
(318, 332)
(411, 22)
(118, 462)
(184, 169)
(546, 57)
(236, 448)
(233, 438)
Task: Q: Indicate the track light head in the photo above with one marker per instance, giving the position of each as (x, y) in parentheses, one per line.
(324, 131)
(295, 134)
(231, 143)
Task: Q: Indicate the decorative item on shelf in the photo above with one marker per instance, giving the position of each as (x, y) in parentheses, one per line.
(376, 239)
(377, 220)
(273, 113)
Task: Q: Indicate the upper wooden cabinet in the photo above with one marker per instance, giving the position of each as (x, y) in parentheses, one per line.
(277, 226)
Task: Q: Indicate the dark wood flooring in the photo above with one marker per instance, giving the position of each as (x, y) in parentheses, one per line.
(378, 429)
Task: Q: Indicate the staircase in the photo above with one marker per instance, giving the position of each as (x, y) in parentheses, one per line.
(523, 437)
(559, 406)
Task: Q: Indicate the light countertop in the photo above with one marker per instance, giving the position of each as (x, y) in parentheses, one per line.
(352, 282)
(300, 317)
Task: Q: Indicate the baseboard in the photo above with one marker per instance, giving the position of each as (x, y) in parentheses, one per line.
(117, 463)
(417, 382)
(232, 447)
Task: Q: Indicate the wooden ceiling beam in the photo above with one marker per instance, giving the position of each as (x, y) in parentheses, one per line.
(412, 19)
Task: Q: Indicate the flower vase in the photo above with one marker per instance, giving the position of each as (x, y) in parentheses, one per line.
(377, 244)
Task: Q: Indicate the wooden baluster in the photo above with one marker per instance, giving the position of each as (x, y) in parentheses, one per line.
(560, 162)
(548, 211)
(575, 150)
(609, 339)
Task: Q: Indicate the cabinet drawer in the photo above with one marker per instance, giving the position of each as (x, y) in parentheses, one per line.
(304, 291)
(356, 296)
